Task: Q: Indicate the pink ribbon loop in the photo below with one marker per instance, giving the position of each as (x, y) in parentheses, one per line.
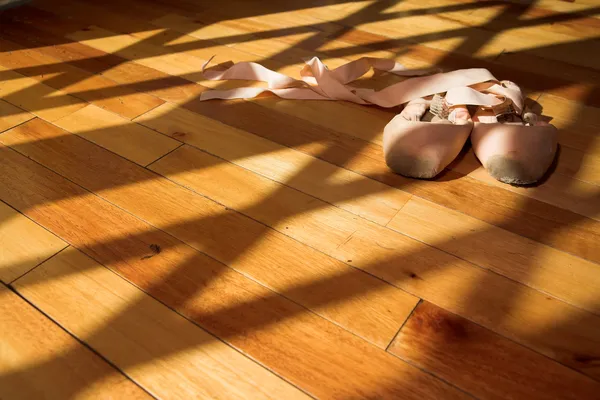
(320, 83)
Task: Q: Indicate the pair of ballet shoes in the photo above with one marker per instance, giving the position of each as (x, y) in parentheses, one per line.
(512, 153)
(413, 147)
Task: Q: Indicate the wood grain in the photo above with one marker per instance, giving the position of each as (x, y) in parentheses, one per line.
(579, 160)
(126, 20)
(577, 121)
(44, 28)
(220, 33)
(279, 163)
(182, 59)
(276, 226)
(141, 51)
(117, 134)
(348, 190)
(522, 62)
(532, 72)
(372, 309)
(11, 116)
(24, 244)
(574, 178)
(582, 165)
(529, 262)
(483, 363)
(588, 206)
(478, 41)
(272, 330)
(559, 189)
(330, 229)
(525, 216)
(368, 123)
(424, 57)
(35, 97)
(500, 17)
(161, 351)
(174, 46)
(360, 121)
(96, 89)
(52, 364)
(419, 269)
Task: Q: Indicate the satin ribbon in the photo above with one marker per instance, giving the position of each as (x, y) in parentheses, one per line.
(320, 83)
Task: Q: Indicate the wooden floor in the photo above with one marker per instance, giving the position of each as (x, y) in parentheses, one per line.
(152, 245)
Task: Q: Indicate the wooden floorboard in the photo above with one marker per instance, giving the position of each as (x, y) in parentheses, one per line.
(11, 116)
(160, 350)
(366, 246)
(100, 90)
(262, 248)
(566, 165)
(132, 141)
(225, 147)
(24, 244)
(484, 363)
(349, 191)
(37, 98)
(273, 330)
(253, 249)
(528, 217)
(405, 262)
(40, 360)
(130, 76)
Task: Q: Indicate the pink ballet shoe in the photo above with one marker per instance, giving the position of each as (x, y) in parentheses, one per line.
(512, 149)
(515, 153)
(419, 144)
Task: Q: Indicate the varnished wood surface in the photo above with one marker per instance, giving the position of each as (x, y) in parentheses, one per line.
(261, 248)
(460, 351)
(268, 327)
(39, 360)
(24, 244)
(160, 350)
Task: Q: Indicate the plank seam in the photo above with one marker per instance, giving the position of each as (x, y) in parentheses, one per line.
(207, 255)
(263, 224)
(95, 144)
(147, 166)
(477, 179)
(40, 263)
(145, 112)
(399, 210)
(42, 227)
(113, 366)
(33, 116)
(510, 339)
(421, 368)
(297, 241)
(404, 323)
